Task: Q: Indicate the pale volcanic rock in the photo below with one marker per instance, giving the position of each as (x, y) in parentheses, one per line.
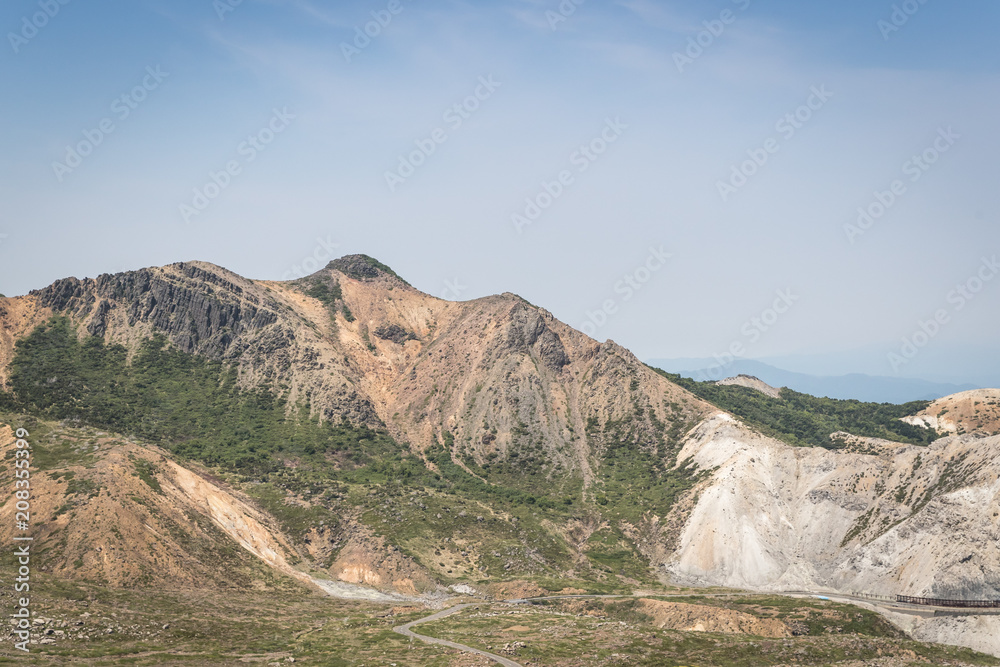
(752, 382)
(920, 521)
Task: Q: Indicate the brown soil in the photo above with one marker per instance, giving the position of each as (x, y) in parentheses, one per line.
(701, 618)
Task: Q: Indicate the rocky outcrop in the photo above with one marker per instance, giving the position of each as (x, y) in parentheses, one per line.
(197, 310)
(394, 333)
(751, 382)
(907, 520)
(527, 332)
(202, 309)
(703, 618)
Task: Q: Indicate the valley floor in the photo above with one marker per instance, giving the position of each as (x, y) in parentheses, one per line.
(85, 624)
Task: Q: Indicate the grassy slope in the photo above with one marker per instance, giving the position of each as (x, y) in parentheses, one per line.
(617, 633)
(804, 420)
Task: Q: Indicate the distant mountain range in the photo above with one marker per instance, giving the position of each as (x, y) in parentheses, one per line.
(862, 387)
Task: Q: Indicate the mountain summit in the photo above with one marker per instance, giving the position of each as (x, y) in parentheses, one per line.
(355, 342)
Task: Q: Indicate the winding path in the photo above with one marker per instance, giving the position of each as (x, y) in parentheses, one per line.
(406, 631)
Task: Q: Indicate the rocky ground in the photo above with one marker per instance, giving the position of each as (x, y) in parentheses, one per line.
(975, 411)
(878, 519)
(753, 383)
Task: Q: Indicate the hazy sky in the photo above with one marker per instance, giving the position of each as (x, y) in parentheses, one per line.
(717, 153)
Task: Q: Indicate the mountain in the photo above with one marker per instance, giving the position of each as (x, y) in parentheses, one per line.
(543, 439)
(354, 434)
(947, 362)
(357, 343)
(878, 389)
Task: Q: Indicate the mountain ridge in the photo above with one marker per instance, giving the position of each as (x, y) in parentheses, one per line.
(340, 362)
(859, 386)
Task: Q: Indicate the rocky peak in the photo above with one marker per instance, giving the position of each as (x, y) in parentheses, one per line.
(363, 268)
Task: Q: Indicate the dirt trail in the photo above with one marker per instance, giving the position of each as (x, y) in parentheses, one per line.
(407, 632)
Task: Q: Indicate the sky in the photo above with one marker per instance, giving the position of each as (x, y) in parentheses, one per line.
(690, 179)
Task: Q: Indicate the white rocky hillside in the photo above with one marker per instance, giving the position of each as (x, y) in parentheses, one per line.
(876, 517)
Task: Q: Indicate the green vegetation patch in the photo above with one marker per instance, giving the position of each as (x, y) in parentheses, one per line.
(325, 292)
(146, 471)
(362, 267)
(189, 404)
(808, 421)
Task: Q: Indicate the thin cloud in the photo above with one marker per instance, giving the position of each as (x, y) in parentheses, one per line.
(656, 15)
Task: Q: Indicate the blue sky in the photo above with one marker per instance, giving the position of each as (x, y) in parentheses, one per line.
(607, 76)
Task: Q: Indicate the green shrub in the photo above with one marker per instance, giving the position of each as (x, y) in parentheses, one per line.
(804, 420)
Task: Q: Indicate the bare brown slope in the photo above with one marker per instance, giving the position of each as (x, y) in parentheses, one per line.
(496, 373)
(105, 509)
(18, 316)
(975, 411)
(95, 517)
